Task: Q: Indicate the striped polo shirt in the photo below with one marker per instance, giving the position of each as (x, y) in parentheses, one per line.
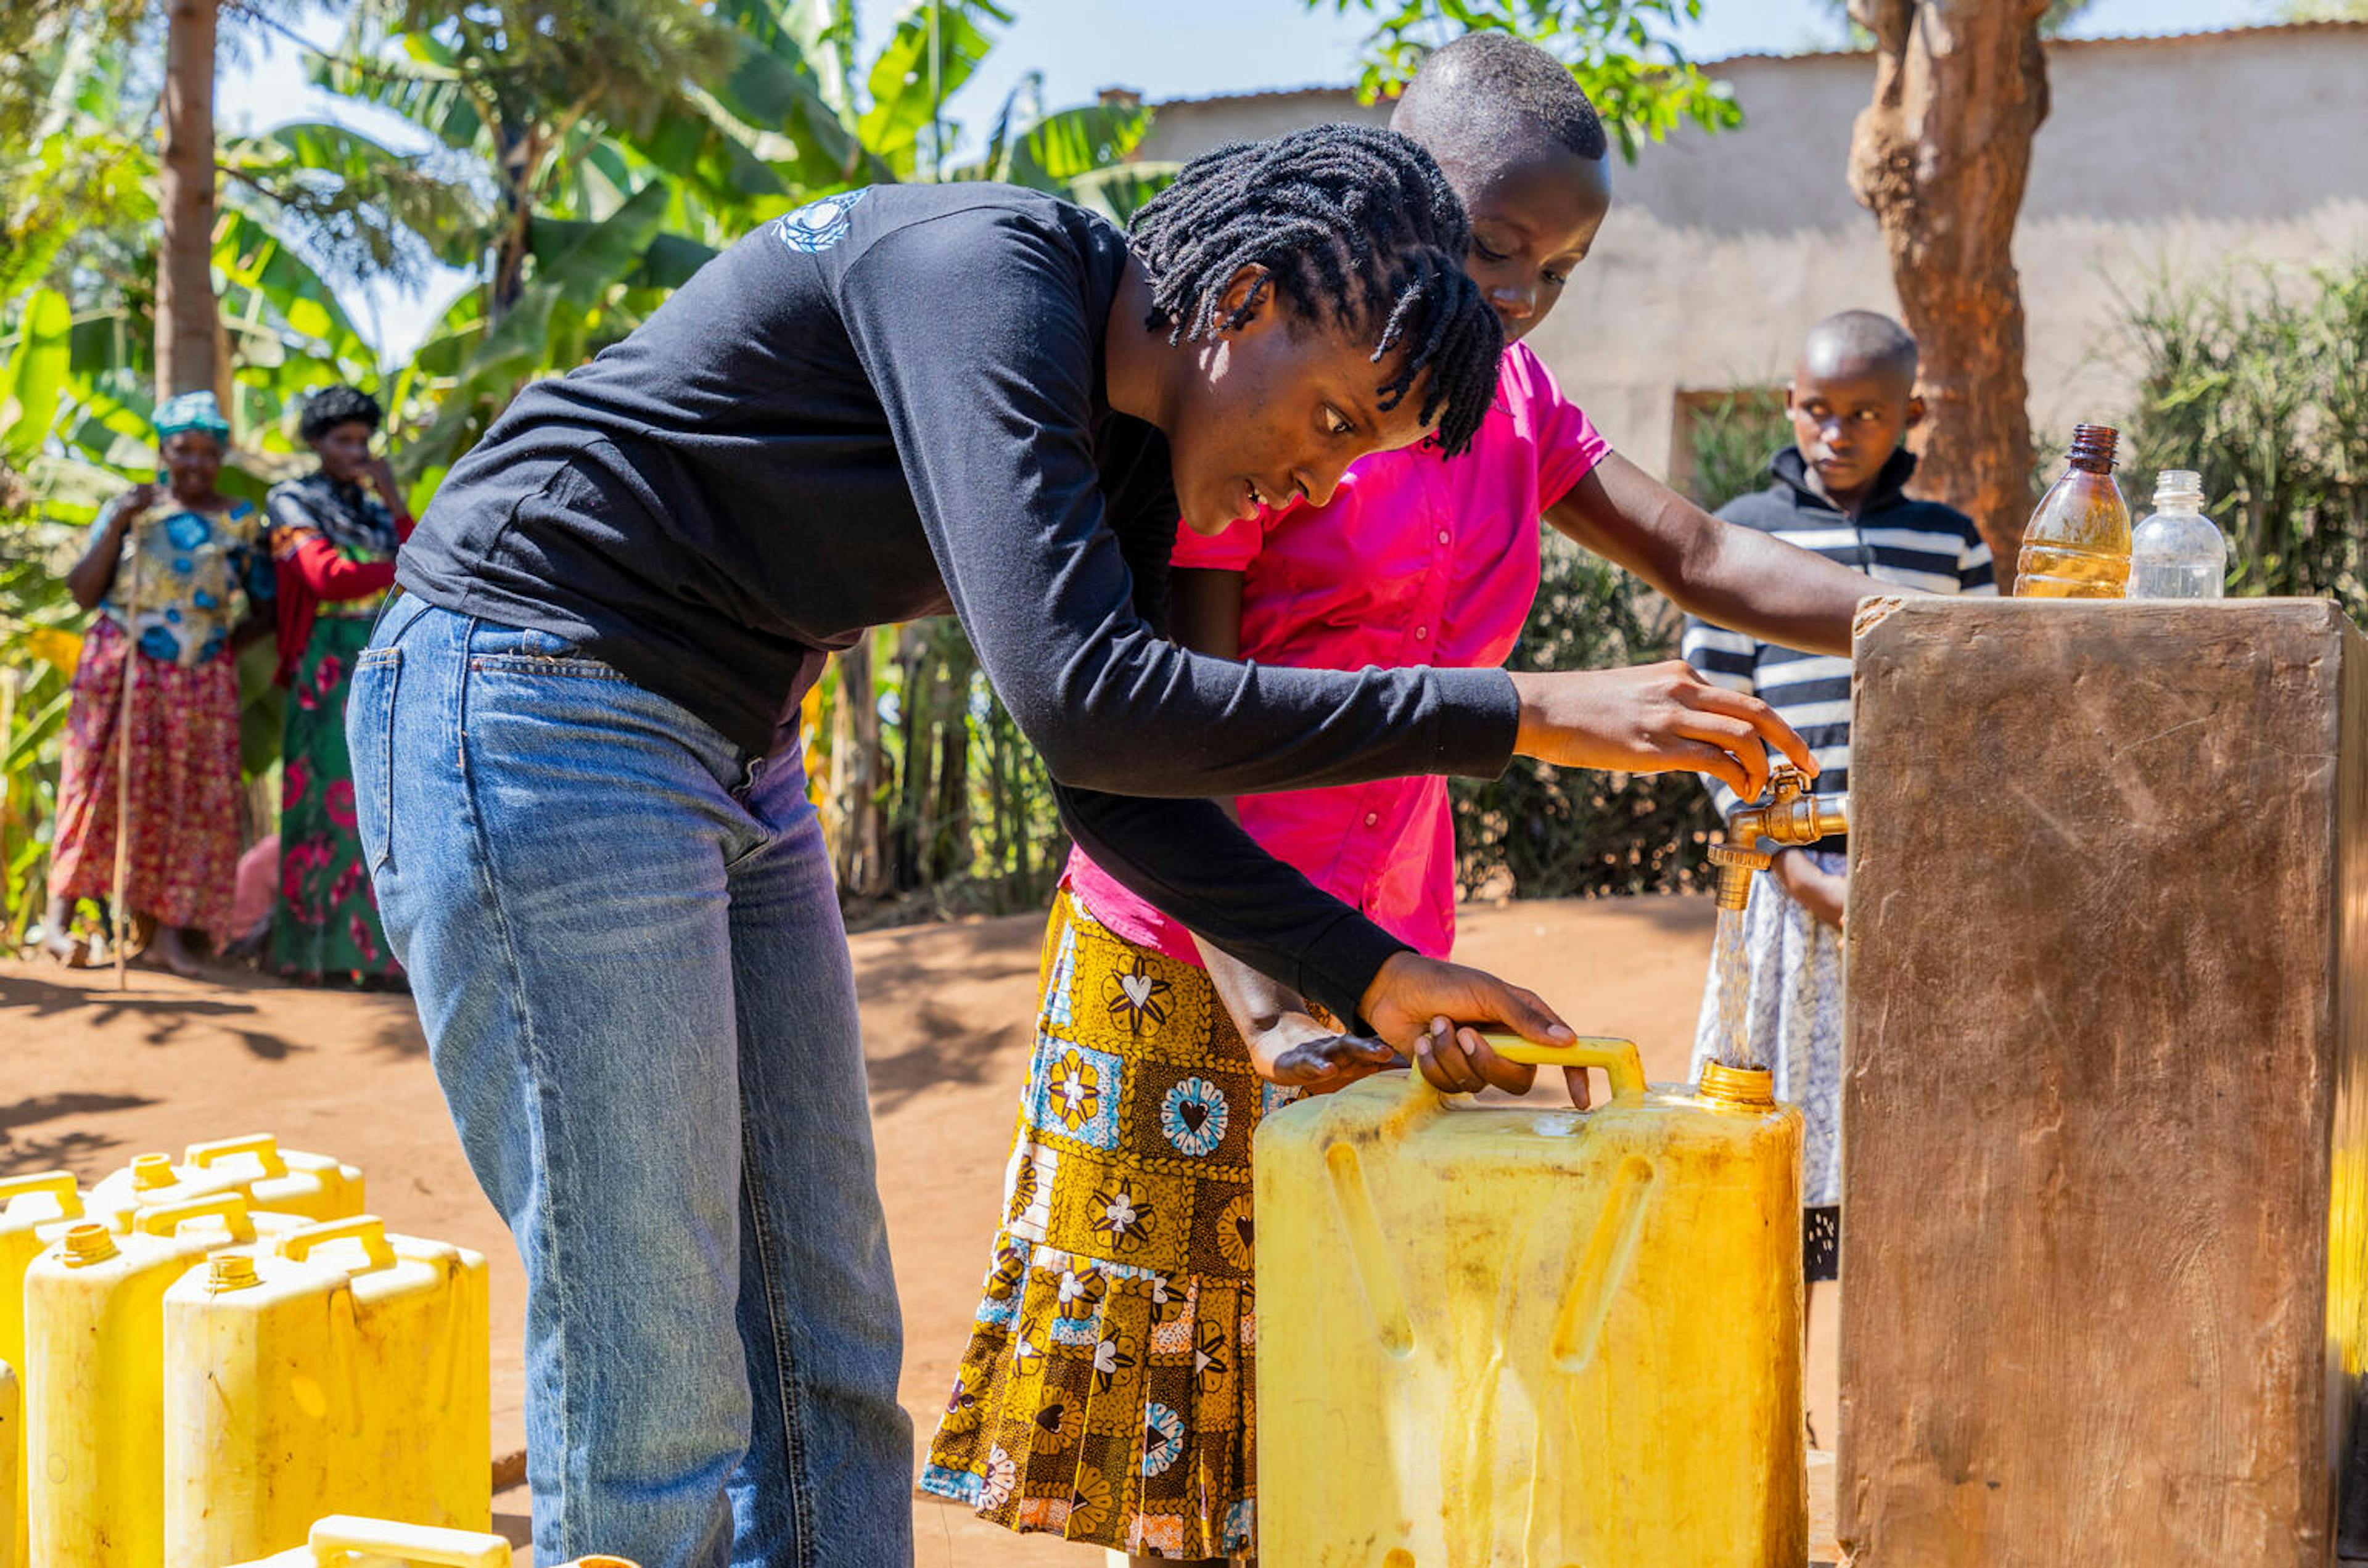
(1894, 539)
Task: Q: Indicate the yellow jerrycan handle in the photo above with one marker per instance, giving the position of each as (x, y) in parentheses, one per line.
(1618, 1058)
(59, 1185)
(367, 1229)
(230, 1208)
(339, 1534)
(262, 1145)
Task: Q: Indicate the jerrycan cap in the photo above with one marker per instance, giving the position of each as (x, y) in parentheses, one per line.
(231, 1270)
(89, 1243)
(1751, 1089)
(150, 1172)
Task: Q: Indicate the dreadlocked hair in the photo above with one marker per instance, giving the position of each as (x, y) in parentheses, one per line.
(1355, 226)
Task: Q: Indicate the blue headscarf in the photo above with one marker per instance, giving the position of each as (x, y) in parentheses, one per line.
(192, 411)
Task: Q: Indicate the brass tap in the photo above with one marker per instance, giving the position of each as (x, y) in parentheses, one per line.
(1786, 816)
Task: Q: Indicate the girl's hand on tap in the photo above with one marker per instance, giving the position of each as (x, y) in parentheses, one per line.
(1654, 718)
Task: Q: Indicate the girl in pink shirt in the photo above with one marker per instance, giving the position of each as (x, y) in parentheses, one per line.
(1107, 1392)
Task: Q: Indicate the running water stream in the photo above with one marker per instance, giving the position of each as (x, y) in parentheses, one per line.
(1734, 982)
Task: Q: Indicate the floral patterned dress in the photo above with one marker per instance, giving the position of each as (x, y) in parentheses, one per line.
(1107, 1394)
(176, 599)
(327, 921)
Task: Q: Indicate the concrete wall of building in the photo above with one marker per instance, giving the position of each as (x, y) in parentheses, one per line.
(2180, 157)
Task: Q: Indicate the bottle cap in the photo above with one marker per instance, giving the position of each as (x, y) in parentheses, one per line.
(2177, 484)
(153, 1171)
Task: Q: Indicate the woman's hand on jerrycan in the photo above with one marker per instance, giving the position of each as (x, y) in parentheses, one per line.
(1652, 719)
(1300, 1050)
(1415, 1004)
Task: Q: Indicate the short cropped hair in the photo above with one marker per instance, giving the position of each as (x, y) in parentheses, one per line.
(1489, 86)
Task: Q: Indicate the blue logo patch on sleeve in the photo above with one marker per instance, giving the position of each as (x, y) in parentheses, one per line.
(819, 225)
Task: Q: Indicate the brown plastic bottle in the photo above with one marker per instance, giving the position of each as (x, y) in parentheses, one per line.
(2077, 545)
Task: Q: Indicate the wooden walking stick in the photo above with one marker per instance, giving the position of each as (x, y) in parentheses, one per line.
(123, 751)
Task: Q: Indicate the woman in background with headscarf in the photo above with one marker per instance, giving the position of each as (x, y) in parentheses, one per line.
(173, 568)
(332, 536)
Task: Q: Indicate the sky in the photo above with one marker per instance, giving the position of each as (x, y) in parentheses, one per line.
(1159, 48)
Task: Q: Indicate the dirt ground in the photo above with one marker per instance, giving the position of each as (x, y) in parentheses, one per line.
(94, 1077)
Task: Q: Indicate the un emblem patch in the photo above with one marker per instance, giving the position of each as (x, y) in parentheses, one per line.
(818, 226)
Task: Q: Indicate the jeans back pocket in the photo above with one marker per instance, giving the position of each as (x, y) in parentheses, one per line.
(369, 739)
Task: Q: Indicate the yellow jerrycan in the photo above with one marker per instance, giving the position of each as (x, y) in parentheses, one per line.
(343, 1540)
(93, 1378)
(12, 1463)
(281, 1181)
(1505, 1336)
(33, 1209)
(337, 1368)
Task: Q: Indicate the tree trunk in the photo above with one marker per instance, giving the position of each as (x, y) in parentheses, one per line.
(519, 163)
(1941, 156)
(862, 865)
(186, 312)
(915, 709)
(949, 857)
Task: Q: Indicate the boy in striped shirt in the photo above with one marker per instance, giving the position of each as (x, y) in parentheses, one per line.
(1838, 491)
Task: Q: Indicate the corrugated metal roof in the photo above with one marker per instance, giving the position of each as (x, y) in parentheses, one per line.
(2194, 35)
(1327, 90)
(2205, 36)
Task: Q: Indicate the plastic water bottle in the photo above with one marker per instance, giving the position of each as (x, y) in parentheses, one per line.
(2077, 543)
(2178, 553)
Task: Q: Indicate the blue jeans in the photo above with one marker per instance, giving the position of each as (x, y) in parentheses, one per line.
(626, 950)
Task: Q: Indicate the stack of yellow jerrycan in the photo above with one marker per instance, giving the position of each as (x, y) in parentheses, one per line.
(271, 1179)
(334, 1367)
(94, 1379)
(344, 1542)
(1500, 1337)
(12, 1463)
(32, 1208)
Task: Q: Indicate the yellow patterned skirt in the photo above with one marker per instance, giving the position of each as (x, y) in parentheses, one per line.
(1107, 1392)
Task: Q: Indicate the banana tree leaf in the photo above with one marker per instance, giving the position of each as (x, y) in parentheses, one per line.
(712, 155)
(1119, 193)
(33, 378)
(33, 733)
(250, 257)
(72, 490)
(670, 261)
(824, 31)
(106, 343)
(262, 708)
(771, 87)
(1079, 141)
(1023, 103)
(667, 263)
(600, 257)
(105, 427)
(901, 83)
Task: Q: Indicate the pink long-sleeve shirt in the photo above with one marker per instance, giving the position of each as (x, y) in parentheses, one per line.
(1416, 560)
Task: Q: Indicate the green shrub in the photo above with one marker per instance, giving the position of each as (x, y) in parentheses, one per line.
(2259, 381)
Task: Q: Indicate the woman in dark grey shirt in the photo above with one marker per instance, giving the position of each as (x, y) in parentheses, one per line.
(575, 764)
